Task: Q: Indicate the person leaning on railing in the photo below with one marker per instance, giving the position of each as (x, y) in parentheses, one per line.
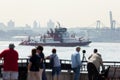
(56, 65)
(10, 67)
(93, 65)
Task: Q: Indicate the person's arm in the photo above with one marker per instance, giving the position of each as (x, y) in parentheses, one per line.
(29, 65)
(41, 57)
(103, 67)
(90, 56)
(78, 59)
(101, 62)
(2, 54)
(17, 56)
(48, 57)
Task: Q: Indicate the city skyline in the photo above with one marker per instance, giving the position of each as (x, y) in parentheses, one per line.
(70, 13)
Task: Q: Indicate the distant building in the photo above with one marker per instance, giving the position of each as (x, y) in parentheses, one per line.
(98, 24)
(28, 26)
(35, 24)
(11, 24)
(2, 26)
(39, 25)
(50, 24)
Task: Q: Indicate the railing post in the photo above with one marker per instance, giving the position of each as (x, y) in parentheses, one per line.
(0, 71)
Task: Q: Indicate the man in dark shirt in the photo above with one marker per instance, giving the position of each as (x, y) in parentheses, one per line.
(41, 55)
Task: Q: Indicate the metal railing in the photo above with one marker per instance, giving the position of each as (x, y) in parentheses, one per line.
(65, 66)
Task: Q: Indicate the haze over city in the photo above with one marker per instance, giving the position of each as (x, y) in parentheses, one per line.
(70, 13)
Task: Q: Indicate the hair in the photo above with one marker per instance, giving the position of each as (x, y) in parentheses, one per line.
(53, 50)
(78, 48)
(95, 50)
(40, 48)
(11, 46)
(33, 51)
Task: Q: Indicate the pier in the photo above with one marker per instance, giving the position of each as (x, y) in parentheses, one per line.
(66, 70)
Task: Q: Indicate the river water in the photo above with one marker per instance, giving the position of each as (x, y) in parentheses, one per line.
(109, 51)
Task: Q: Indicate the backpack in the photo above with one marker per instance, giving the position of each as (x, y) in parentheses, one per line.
(52, 61)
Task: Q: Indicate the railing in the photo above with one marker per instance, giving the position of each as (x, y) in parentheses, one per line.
(106, 64)
(65, 66)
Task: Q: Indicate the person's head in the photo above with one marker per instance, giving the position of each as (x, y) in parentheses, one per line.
(39, 49)
(78, 49)
(95, 50)
(53, 50)
(84, 51)
(33, 51)
(11, 46)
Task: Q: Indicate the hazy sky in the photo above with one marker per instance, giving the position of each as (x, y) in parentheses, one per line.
(69, 13)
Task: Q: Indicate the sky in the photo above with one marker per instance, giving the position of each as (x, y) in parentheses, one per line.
(69, 13)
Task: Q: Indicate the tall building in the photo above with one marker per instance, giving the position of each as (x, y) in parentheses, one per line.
(112, 22)
(2, 26)
(11, 24)
(35, 24)
(98, 24)
(50, 24)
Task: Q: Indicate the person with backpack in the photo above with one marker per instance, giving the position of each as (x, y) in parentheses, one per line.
(55, 64)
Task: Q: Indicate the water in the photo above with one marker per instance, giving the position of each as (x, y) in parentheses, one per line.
(109, 51)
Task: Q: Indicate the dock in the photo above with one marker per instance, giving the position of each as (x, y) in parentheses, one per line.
(66, 70)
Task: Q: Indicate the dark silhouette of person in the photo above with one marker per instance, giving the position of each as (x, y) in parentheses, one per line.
(33, 66)
(42, 60)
